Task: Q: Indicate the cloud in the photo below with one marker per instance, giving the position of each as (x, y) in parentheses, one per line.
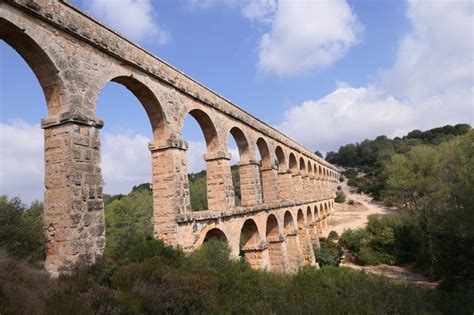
(126, 162)
(430, 84)
(346, 115)
(134, 18)
(304, 36)
(196, 152)
(21, 160)
(260, 10)
(208, 4)
(435, 57)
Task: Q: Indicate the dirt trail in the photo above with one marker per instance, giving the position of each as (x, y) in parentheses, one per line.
(354, 216)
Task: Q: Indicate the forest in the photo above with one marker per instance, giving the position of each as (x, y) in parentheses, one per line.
(429, 177)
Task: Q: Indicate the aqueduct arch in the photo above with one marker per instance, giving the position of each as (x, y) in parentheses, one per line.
(73, 56)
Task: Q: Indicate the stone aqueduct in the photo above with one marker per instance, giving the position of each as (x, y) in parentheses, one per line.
(287, 197)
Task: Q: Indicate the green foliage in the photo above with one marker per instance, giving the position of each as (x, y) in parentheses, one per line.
(236, 183)
(333, 236)
(128, 219)
(329, 253)
(369, 156)
(198, 191)
(142, 275)
(340, 197)
(206, 282)
(21, 228)
(318, 154)
(437, 184)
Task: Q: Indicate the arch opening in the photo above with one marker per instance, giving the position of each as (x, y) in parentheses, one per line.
(236, 141)
(280, 155)
(39, 62)
(201, 135)
(249, 242)
(215, 234)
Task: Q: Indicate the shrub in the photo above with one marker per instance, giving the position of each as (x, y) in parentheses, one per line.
(329, 253)
(340, 197)
(353, 240)
(21, 229)
(351, 202)
(333, 236)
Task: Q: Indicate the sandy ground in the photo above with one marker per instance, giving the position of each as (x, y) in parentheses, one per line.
(354, 216)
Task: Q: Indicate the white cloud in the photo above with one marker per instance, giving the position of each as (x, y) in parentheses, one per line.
(430, 84)
(260, 10)
(134, 18)
(305, 36)
(346, 115)
(126, 162)
(207, 4)
(21, 160)
(196, 152)
(437, 56)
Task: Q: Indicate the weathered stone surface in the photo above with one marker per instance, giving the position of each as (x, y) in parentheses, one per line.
(286, 197)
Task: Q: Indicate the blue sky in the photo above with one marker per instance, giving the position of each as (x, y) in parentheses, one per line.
(326, 73)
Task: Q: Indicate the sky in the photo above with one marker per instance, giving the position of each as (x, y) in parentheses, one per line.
(326, 73)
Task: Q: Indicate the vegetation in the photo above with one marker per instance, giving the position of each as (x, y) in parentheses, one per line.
(434, 186)
(21, 229)
(164, 280)
(141, 275)
(370, 156)
(329, 253)
(340, 197)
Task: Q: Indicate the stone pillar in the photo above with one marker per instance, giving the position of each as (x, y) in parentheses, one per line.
(295, 259)
(319, 226)
(257, 256)
(306, 189)
(250, 185)
(297, 186)
(270, 185)
(306, 246)
(220, 191)
(316, 233)
(74, 224)
(170, 187)
(312, 185)
(277, 254)
(320, 189)
(285, 185)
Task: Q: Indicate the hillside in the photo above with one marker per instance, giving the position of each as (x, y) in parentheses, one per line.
(364, 161)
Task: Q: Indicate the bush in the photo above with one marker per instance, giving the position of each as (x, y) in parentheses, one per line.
(21, 229)
(333, 236)
(328, 253)
(340, 197)
(351, 202)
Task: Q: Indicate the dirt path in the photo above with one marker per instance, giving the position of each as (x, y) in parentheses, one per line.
(354, 216)
(405, 273)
